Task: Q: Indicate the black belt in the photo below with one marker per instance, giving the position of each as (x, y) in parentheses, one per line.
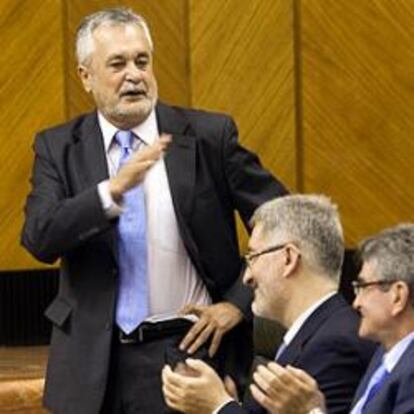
(151, 331)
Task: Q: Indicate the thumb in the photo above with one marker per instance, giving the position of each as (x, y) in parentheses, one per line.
(230, 387)
(199, 365)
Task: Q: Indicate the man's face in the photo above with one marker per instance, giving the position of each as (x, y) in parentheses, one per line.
(264, 276)
(374, 304)
(119, 74)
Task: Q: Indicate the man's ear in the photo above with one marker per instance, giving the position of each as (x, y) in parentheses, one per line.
(400, 297)
(85, 76)
(292, 259)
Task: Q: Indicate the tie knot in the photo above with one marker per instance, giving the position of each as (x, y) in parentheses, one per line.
(124, 139)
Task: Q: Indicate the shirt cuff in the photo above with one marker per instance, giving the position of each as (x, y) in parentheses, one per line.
(111, 208)
(218, 409)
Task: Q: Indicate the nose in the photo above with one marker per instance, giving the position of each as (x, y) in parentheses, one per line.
(247, 276)
(356, 302)
(133, 73)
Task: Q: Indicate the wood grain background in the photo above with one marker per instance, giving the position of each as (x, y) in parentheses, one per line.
(358, 109)
(322, 90)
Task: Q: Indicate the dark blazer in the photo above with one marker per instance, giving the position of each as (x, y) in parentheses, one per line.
(328, 348)
(396, 395)
(209, 175)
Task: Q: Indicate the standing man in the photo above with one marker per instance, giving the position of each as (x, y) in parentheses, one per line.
(137, 200)
(294, 263)
(384, 298)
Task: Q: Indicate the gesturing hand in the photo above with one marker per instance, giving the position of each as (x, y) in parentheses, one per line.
(285, 390)
(200, 393)
(214, 320)
(133, 171)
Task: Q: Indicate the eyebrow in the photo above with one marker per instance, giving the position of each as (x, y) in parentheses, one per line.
(122, 56)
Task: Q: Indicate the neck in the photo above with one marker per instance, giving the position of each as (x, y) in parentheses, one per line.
(308, 290)
(402, 327)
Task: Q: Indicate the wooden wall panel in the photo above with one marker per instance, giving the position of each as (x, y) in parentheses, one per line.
(358, 109)
(242, 63)
(31, 98)
(169, 26)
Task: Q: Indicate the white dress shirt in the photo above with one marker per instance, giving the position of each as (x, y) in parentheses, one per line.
(172, 279)
(298, 323)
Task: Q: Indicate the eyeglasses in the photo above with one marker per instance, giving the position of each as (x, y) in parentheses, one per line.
(358, 286)
(249, 257)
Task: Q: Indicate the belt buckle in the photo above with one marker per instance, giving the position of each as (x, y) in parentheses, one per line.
(124, 340)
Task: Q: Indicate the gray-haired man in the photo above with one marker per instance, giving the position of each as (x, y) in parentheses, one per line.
(384, 298)
(140, 235)
(293, 265)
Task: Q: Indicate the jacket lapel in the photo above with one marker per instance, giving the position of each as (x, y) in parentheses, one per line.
(308, 329)
(88, 152)
(404, 362)
(180, 160)
(373, 365)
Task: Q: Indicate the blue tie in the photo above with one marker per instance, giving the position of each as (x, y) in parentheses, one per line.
(280, 350)
(374, 385)
(379, 376)
(132, 301)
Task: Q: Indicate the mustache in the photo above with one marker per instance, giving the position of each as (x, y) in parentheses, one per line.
(133, 91)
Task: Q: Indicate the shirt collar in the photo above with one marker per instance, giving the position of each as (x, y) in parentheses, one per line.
(298, 323)
(147, 131)
(392, 357)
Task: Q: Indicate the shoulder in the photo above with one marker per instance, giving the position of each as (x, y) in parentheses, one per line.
(198, 120)
(338, 332)
(70, 128)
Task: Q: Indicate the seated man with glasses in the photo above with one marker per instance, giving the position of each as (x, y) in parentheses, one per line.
(293, 266)
(385, 300)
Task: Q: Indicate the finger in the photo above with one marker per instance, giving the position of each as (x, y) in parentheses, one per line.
(148, 153)
(265, 373)
(170, 387)
(230, 387)
(268, 382)
(172, 378)
(215, 342)
(194, 309)
(199, 365)
(166, 376)
(301, 375)
(192, 334)
(142, 166)
(165, 138)
(261, 382)
(286, 377)
(260, 397)
(171, 400)
(275, 367)
(201, 338)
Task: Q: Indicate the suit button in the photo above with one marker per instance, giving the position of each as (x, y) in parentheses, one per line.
(108, 326)
(115, 271)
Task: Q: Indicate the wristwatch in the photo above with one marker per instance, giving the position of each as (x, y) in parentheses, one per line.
(316, 410)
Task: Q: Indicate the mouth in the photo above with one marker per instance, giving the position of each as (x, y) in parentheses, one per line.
(134, 94)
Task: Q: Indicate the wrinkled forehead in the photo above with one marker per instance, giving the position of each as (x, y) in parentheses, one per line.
(119, 39)
(107, 31)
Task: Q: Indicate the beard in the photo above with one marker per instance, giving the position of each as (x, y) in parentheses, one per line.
(127, 116)
(127, 111)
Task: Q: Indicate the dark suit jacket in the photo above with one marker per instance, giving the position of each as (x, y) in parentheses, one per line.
(328, 348)
(209, 175)
(396, 395)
